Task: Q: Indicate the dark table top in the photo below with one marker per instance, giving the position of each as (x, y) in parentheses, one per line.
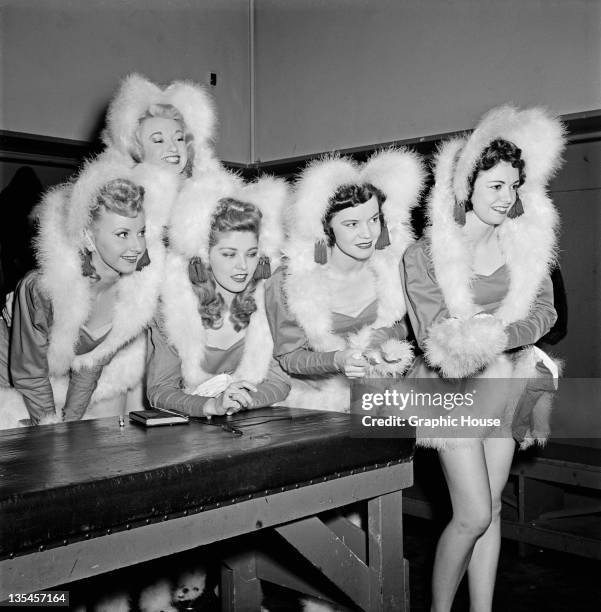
(73, 480)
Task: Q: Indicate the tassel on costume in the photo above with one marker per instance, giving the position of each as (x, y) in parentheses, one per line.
(459, 213)
(87, 267)
(384, 237)
(197, 271)
(321, 253)
(517, 210)
(143, 261)
(263, 269)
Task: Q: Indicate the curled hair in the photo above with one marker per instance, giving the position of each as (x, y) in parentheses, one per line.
(497, 151)
(349, 196)
(124, 198)
(120, 196)
(163, 111)
(230, 216)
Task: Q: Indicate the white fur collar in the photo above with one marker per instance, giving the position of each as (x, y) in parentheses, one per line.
(136, 94)
(528, 241)
(58, 246)
(196, 204)
(308, 297)
(183, 324)
(399, 175)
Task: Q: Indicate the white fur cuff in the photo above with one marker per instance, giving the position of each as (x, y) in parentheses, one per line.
(462, 347)
(49, 419)
(397, 354)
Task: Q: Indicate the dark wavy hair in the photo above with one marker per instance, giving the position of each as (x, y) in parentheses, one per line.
(497, 151)
(124, 198)
(230, 216)
(350, 196)
(164, 111)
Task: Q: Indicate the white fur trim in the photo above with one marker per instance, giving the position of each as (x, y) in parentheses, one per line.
(501, 403)
(462, 347)
(64, 214)
(332, 394)
(539, 135)
(398, 356)
(136, 94)
(12, 408)
(186, 332)
(199, 198)
(528, 241)
(399, 175)
(450, 255)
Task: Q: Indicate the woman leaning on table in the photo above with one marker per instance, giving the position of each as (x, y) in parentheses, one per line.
(77, 343)
(479, 296)
(210, 350)
(171, 127)
(338, 304)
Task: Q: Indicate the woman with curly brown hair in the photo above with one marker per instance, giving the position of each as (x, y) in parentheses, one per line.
(338, 301)
(479, 296)
(210, 350)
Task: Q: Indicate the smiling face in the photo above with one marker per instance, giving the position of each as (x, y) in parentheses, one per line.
(118, 242)
(233, 259)
(356, 229)
(163, 143)
(495, 193)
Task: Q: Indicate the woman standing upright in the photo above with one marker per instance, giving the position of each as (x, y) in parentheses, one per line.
(338, 304)
(210, 350)
(479, 296)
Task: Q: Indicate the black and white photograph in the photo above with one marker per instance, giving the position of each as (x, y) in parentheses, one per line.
(300, 305)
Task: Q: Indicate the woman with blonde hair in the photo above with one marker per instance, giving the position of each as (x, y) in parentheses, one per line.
(171, 127)
(77, 342)
(210, 350)
(479, 296)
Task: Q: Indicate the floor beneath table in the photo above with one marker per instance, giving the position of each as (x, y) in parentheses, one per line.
(543, 581)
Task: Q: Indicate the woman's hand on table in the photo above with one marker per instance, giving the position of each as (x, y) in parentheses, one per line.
(235, 398)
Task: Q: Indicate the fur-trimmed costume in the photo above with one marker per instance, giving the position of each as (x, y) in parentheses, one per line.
(307, 333)
(442, 289)
(49, 354)
(136, 94)
(179, 357)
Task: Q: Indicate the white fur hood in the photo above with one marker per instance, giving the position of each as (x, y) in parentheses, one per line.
(189, 237)
(399, 174)
(63, 215)
(136, 94)
(528, 241)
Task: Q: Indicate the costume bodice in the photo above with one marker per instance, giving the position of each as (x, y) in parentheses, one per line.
(489, 290)
(345, 324)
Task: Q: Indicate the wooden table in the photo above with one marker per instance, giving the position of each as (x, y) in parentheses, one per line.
(80, 499)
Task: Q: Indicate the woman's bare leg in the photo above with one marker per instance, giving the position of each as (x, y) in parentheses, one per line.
(482, 569)
(465, 471)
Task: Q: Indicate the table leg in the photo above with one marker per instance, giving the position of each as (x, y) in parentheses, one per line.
(240, 586)
(389, 587)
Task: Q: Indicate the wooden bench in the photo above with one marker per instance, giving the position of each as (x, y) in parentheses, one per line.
(80, 499)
